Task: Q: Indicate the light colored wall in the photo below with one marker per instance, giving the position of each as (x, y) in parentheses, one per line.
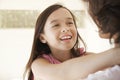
(39, 4)
(15, 47)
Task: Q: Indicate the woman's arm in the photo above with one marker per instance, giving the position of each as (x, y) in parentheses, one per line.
(83, 66)
(76, 68)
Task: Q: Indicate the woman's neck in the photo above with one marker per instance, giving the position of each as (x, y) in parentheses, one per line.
(117, 45)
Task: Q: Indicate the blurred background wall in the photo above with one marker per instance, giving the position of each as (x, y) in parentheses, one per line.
(17, 21)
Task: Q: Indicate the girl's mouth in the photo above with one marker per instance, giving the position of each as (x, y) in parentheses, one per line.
(66, 37)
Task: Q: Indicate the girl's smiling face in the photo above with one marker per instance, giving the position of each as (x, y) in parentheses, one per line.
(60, 31)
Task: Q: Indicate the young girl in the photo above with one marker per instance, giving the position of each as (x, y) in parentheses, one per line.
(106, 14)
(56, 52)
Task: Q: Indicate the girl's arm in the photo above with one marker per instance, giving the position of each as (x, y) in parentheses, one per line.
(76, 68)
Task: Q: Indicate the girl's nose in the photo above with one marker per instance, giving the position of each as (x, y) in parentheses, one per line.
(65, 29)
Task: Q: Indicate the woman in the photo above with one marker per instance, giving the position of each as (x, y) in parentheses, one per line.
(106, 14)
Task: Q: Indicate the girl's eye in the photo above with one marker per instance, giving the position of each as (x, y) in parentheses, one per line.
(56, 25)
(70, 23)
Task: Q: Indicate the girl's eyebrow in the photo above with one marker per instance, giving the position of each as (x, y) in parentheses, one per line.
(53, 21)
(68, 18)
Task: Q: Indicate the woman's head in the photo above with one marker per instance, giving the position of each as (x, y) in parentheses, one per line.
(109, 21)
(106, 14)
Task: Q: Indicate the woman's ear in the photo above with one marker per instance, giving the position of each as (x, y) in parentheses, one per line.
(42, 39)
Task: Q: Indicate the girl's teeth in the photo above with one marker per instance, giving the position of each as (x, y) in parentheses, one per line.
(66, 37)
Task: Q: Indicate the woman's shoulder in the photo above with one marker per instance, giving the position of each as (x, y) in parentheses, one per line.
(107, 74)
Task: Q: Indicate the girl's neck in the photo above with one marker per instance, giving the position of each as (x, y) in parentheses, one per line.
(62, 56)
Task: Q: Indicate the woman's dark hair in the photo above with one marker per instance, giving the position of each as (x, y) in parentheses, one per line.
(106, 14)
(109, 20)
(38, 48)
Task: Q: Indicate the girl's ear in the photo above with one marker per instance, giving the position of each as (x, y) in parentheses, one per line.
(42, 39)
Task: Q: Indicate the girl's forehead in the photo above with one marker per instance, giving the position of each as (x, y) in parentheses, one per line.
(60, 13)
